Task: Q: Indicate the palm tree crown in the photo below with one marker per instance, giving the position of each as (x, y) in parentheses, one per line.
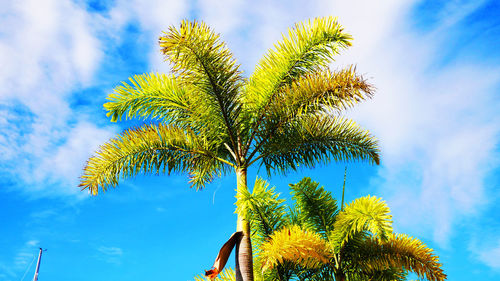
(209, 120)
(317, 241)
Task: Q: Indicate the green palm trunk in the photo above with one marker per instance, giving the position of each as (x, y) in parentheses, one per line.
(209, 120)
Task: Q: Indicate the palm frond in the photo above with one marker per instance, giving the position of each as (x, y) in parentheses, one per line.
(152, 149)
(321, 90)
(316, 207)
(263, 209)
(295, 245)
(317, 139)
(390, 274)
(308, 46)
(157, 96)
(324, 273)
(367, 213)
(401, 251)
(202, 62)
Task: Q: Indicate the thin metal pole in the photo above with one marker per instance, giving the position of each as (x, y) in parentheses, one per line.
(35, 278)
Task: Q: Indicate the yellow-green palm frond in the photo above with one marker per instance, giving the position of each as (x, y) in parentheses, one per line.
(157, 96)
(227, 274)
(310, 45)
(152, 149)
(322, 90)
(367, 213)
(202, 62)
(400, 251)
(263, 209)
(317, 139)
(295, 245)
(316, 207)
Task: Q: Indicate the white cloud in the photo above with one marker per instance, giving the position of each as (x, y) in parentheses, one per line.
(111, 251)
(49, 49)
(491, 257)
(110, 254)
(486, 250)
(25, 256)
(223, 16)
(32, 243)
(153, 16)
(65, 164)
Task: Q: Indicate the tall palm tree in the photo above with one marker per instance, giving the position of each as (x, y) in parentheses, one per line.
(208, 120)
(317, 241)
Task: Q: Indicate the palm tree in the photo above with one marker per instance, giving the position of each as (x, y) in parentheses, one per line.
(316, 241)
(208, 120)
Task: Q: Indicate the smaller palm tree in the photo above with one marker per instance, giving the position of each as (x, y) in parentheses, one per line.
(317, 241)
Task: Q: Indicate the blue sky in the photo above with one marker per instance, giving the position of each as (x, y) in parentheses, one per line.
(436, 66)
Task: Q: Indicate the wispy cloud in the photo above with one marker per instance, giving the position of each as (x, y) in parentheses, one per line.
(49, 52)
(25, 256)
(153, 17)
(110, 254)
(7, 273)
(490, 256)
(32, 243)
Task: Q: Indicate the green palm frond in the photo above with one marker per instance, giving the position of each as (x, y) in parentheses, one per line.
(317, 139)
(295, 245)
(227, 274)
(316, 207)
(325, 273)
(156, 96)
(263, 209)
(308, 47)
(401, 251)
(202, 62)
(354, 262)
(322, 90)
(152, 149)
(390, 274)
(367, 213)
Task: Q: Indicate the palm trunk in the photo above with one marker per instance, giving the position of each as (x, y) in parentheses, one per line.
(339, 276)
(244, 261)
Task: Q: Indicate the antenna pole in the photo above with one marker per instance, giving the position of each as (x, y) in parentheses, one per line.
(35, 278)
(343, 190)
